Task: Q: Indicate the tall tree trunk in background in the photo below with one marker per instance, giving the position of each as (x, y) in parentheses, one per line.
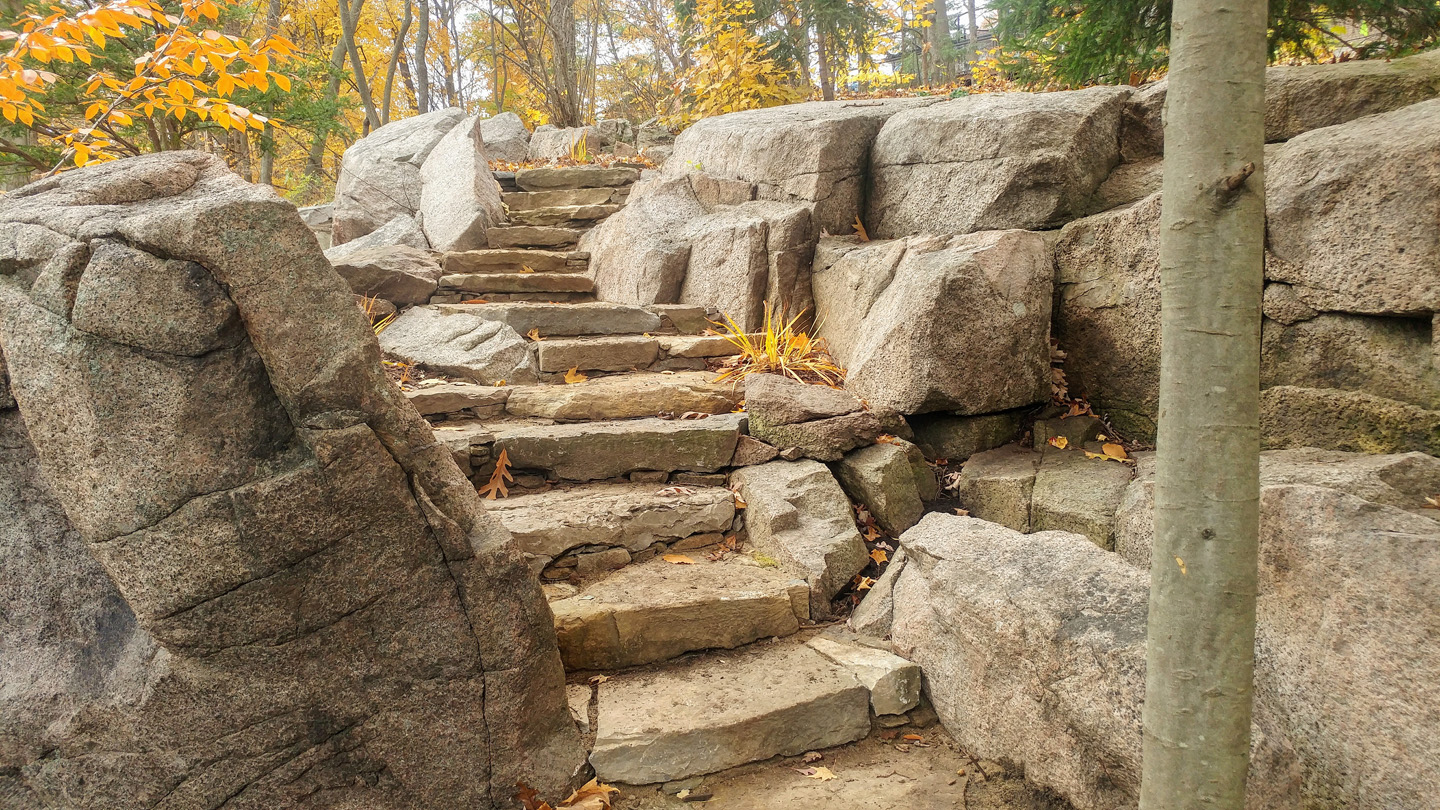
(565, 102)
(822, 62)
(972, 37)
(315, 164)
(1201, 639)
(397, 54)
(349, 20)
(422, 45)
(267, 135)
(942, 50)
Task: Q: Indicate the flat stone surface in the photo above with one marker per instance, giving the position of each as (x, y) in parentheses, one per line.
(625, 397)
(565, 320)
(779, 400)
(894, 683)
(722, 710)
(697, 346)
(517, 282)
(688, 319)
(997, 485)
(452, 397)
(585, 452)
(630, 516)
(531, 200)
(657, 610)
(620, 353)
(399, 274)
(522, 236)
(562, 214)
(512, 260)
(1077, 494)
(798, 514)
(546, 179)
(459, 344)
(823, 439)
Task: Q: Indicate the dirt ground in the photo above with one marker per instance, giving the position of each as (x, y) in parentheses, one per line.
(881, 772)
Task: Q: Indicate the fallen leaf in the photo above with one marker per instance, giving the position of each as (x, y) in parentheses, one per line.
(739, 501)
(1181, 563)
(669, 492)
(889, 735)
(529, 797)
(913, 738)
(574, 376)
(525, 268)
(1432, 503)
(872, 534)
(475, 301)
(694, 415)
(962, 512)
(534, 334)
(1058, 441)
(886, 438)
(1114, 451)
(596, 680)
(500, 384)
(902, 748)
(860, 229)
(822, 773)
(593, 796)
(864, 583)
(678, 559)
(879, 557)
(813, 756)
(665, 415)
(682, 794)
(497, 484)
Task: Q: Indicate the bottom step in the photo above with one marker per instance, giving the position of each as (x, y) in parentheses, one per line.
(721, 710)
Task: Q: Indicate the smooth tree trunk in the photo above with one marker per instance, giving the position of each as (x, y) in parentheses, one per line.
(1201, 639)
(396, 56)
(822, 61)
(315, 163)
(422, 45)
(972, 36)
(267, 137)
(942, 50)
(349, 21)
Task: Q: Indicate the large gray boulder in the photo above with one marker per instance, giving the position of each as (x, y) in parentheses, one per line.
(326, 599)
(797, 514)
(934, 323)
(505, 137)
(459, 198)
(1033, 648)
(992, 161)
(637, 255)
(460, 344)
(815, 154)
(380, 173)
(1351, 210)
(400, 274)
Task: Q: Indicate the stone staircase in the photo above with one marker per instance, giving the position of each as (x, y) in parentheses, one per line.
(619, 497)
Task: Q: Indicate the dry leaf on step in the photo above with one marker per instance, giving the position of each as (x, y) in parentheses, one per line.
(678, 559)
(864, 583)
(1058, 441)
(913, 738)
(822, 773)
(962, 512)
(594, 796)
(534, 334)
(1432, 503)
(879, 557)
(525, 268)
(813, 756)
(1114, 451)
(475, 301)
(596, 680)
(668, 492)
(860, 230)
(574, 376)
(694, 415)
(497, 484)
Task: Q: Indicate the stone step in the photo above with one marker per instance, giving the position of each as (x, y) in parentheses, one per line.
(568, 216)
(532, 236)
(531, 200)
(594, 450)
(618, 353)
(514, 298)
(723, 709)
(655, 611)
(570, 177)
(697, 346)
(481, 283)
(565, 320)
(515, 260)
(626, 396)
(631, 517)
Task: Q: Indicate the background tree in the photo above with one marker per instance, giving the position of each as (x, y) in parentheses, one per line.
(1074, 43)
(1200, 655)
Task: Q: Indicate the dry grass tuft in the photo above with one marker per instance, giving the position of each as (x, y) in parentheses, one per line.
(780, 349)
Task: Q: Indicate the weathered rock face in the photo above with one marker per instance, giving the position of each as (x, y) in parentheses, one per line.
(814, 154)
(882, 477)
(460, 344)
(556, 143)
(1107, 269)
(994, 160)
(337, 621)
(1340, 234)
(380, 173)
(798, 514)
(459, 198)
(1345, 420)
(402, 230)
(939, 323)
(1033, 648)
(1344, 581)
(505, 137)
(400, 274)
(637, 255)
(1387, 357)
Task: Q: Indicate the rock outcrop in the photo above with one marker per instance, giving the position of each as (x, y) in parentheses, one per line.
(400, 274)
(505, 137)
(380, 173)
(933, 323)
(306, 605)
(459, 198)
(992, 161)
